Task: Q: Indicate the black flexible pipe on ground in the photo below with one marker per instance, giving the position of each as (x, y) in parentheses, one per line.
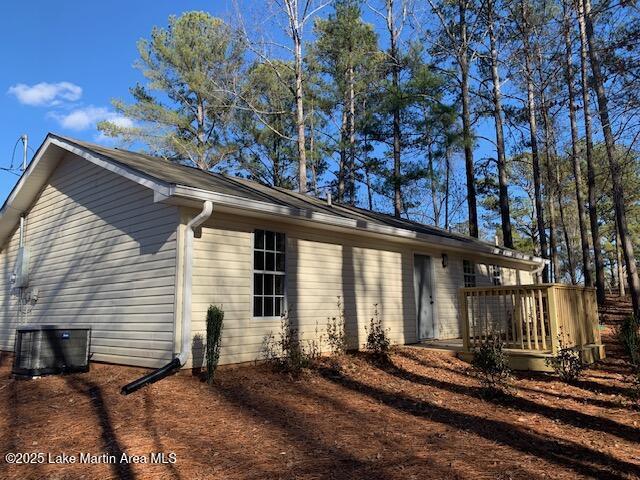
(152, 377)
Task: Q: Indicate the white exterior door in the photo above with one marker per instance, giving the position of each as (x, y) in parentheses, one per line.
(422, 283)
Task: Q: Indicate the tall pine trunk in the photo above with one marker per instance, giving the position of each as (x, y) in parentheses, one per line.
(552, 187)
(352, 137)
(447, 183)
(505, 215)
(343, 165)
(575, 160)
(433, 186)
(620, 268)
(614, 165)
(591, 174)
(299, 94)
(312, 151)
(533, 131)
(395, 81)
(466, 120)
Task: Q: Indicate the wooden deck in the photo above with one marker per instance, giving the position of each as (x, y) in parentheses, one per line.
(533, 322)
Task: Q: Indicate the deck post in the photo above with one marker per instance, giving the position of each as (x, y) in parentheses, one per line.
(553, 319)
(592, 308)
(464, 317)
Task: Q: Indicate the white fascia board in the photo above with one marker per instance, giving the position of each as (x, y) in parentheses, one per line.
(260, 207)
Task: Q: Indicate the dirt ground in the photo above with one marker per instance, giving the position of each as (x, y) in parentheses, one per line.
(422, 416)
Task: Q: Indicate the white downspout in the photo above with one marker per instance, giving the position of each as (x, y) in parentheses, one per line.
(207, 210)
(538, 270)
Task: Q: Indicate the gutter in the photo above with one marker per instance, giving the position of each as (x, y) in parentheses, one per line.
(180, 359)
(235, 202)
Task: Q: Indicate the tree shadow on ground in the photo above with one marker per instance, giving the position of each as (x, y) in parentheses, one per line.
(534, 376)
(266, 409)
(323, 453)
(121, 470)
(564, 415)
(580, 459)
(150, 425)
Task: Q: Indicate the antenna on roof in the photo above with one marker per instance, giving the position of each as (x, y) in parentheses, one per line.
(25, 143)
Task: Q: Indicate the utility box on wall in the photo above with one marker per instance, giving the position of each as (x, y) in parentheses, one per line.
(51, 349)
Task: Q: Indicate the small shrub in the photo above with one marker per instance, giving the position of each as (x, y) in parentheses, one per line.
(215, 317)
(629, 336)
(378, 342)
(634, 388)
(336, 333)
(491, 365)
(567, 364)
(286, 352)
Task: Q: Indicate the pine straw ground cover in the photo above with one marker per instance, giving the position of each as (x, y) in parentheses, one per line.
(420, 416)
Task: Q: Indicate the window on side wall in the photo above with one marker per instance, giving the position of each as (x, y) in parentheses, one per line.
(469, 269)
(496, 275)
(268, 273)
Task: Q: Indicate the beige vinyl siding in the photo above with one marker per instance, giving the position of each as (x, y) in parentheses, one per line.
(103, 254)
(321, 267)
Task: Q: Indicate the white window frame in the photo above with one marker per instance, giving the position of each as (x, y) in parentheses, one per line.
(275, 273)
(496, 275)
(473, 274)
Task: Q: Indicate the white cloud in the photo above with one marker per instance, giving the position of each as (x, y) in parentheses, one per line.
(44, 93)
(87, 117)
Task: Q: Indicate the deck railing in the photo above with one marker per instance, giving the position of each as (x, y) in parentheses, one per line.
(530, 317)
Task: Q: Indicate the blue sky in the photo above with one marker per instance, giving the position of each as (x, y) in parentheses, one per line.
(63, 62)
(84, 51)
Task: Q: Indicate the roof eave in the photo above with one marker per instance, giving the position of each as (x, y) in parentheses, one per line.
(191, 194)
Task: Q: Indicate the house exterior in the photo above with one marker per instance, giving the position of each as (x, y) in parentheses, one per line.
(138, 247)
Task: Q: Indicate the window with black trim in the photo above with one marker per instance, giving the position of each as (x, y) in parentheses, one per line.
(496, 275)
(268, 273)
(469, 269)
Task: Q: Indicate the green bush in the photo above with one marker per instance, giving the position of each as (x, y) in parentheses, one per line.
(215, 317)
(629, 336)
(634, 390)
(378, 342)
(491, 365)
(286, 352)
(336, 333)
(567, 364)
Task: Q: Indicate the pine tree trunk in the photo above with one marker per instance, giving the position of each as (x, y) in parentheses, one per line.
(591, 175)
(342, 167)
(552, 187)
(395, 81)
(352, 138)
(614, 166)
(365, 163)
(567, 240)
(575, 160)
(299, 93)
(553, 242)
(620, 268)
(535, 155)
(466, 121)
(505, 215)
(432, 184)
(447, 180)
(312, 152)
